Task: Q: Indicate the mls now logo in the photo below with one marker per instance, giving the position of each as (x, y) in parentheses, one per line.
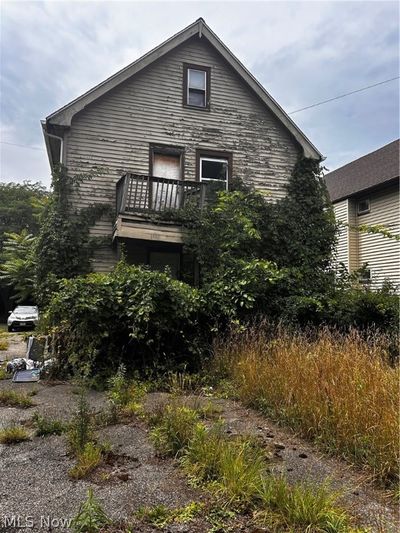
(16, 522)
(55, 523)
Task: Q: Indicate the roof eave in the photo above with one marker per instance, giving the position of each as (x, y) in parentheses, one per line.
(366, 190)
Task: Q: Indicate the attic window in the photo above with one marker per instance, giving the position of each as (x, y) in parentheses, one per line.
(363, 207)
(196, 86)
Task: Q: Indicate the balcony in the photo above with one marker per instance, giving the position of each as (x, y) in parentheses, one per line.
(140, 198)
(138, 193)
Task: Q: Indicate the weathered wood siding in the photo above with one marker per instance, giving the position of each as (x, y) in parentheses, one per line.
(355, 248)
(115, 131)
(381, 253)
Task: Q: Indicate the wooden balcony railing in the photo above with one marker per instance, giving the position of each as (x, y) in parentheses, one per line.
(141, 193)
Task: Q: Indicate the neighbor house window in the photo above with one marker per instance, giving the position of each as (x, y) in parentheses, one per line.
(214, 168)
(363, 207)
(365, 275)
(196, 86)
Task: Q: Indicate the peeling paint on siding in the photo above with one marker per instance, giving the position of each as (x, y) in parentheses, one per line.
(116, 130)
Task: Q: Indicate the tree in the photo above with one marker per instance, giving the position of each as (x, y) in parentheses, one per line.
(17, 268)
(20, 207)
(304, 233)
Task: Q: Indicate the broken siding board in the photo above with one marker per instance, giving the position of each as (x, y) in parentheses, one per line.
(116, 130)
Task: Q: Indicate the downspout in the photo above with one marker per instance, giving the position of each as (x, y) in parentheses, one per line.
(61, 144)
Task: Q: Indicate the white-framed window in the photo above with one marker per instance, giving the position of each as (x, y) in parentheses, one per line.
(363, 207)
(196, 86)
(214, 170)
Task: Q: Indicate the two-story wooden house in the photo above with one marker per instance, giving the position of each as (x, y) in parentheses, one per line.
(184, 115)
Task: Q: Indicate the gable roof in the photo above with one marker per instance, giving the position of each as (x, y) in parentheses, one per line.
(377, 168)
(63, 116)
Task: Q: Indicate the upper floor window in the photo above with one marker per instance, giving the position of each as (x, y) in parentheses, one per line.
(196, 86)
(363, 207)
(214, 168)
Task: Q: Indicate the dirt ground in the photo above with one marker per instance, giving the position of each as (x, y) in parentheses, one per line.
(34, 478)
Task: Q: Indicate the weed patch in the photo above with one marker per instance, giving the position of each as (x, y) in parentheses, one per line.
(87, 460)
(91, 516)
(12, 398)
(3, 343)
(13, 434)
(161, 516)
(234, 470)
(338, 390)
(47, 426)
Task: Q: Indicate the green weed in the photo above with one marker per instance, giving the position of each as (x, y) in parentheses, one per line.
(13, 434)
(11, 398)
(91, 517)
(161, 516)
(88, 459)
(47, 426)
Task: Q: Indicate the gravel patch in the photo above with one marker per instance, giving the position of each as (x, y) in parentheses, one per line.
(34, 483)
(300, 461)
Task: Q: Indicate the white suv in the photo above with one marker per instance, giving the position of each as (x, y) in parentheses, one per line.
(23, 316)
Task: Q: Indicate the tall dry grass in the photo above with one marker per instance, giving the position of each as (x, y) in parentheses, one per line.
(338, 390)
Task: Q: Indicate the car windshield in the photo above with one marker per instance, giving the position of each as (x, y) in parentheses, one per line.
(25, 309)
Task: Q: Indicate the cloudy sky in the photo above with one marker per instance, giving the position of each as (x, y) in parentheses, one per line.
(302, 52)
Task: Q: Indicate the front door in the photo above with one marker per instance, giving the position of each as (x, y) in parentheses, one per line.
(164, 194)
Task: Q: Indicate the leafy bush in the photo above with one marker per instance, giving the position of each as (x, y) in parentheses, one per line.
(132, 316)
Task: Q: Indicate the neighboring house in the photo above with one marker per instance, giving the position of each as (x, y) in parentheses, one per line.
(184, 115)
(365, 193)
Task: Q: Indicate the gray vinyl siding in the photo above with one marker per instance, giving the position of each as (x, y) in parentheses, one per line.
(381, 253)
(115, 131)
(356, 248)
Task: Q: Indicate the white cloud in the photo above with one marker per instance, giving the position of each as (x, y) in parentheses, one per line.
(301, 51)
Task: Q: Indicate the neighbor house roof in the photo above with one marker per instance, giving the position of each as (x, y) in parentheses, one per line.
(63, 116)
(372, 170)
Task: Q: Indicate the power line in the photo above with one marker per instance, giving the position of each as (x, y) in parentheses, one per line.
(290, 113)
(343, 95)
(23, 146)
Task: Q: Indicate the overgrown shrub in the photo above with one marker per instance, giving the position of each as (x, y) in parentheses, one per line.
(132, 316)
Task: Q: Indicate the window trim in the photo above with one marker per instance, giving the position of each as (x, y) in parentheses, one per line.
(166, 149)
(207, 70)
(213, 154)
(364, 211)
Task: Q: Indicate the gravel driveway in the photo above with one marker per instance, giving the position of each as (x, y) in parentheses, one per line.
(34, 482)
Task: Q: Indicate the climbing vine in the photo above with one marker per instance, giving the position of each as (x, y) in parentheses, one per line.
(64, 246)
